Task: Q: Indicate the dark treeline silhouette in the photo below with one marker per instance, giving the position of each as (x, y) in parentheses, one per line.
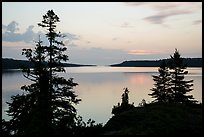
(190, 62)
(8, 63)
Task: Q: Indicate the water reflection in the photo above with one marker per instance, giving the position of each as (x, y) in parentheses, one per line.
(139, 79)
(101, 87)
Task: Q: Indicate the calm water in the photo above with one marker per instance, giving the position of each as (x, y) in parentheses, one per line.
(101, 87)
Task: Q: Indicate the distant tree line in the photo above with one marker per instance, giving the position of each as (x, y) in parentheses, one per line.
(190, 62)
(8, 63)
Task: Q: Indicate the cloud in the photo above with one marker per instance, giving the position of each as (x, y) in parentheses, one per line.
(70, 43)
(29, 36)
(142, 52)
(160, 17)
(4, 27)
(135, 3)
(159, 6)
(196, 22)
(71, 36)
(154, 5)
(126, 25)
(165, 10)
(12, 27)
(11, 36)
(115, 38)
(156, 19)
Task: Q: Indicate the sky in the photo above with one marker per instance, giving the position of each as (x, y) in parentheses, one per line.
(105, 33)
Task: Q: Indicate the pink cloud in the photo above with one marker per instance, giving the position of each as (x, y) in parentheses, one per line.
(142, 52)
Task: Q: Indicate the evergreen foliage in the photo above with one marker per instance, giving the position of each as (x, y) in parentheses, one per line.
(47, 106)
(180, 86)
(162, 90)
(170, 86)
(124, 106)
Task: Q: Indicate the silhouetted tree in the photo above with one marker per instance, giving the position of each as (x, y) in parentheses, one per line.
(162, 90)
(170, 85)
(87, 128)
(125, 98)
(124, 106)
(47, 107)
(180, 86)
(142, 103)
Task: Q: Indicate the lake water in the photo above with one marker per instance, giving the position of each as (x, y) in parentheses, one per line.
(101, 87)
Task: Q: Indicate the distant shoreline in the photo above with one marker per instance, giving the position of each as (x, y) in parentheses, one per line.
(9, 63)
(190, 62)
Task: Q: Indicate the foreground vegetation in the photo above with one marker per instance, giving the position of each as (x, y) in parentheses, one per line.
(157, 119)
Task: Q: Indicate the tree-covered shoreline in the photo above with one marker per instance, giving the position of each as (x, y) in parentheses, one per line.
(9, 63)
(191, 62)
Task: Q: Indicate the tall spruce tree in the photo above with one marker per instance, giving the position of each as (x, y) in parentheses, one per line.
(47, 106)
(162, 90)
(180, 86)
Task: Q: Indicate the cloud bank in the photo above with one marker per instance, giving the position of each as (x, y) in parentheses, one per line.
(165, 10)
(10, 34)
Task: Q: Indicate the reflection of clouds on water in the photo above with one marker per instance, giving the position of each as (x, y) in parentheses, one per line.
(102, 89)
(6, 97)
(139, 79)
(12, 80)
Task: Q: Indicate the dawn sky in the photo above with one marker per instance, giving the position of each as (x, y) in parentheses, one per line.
(105, 33)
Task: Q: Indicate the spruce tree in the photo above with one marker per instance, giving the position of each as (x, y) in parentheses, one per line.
(180, 86)
(47, 106)
(124, 106)
(162, 90)
(125, 98)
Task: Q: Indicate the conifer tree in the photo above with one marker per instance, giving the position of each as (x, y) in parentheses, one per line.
(125, 97)
(170, 85)
(162, 90)
(47, 106)
(124, 106)
(180, 86)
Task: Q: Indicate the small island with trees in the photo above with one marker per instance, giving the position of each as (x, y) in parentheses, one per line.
(47, 106)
